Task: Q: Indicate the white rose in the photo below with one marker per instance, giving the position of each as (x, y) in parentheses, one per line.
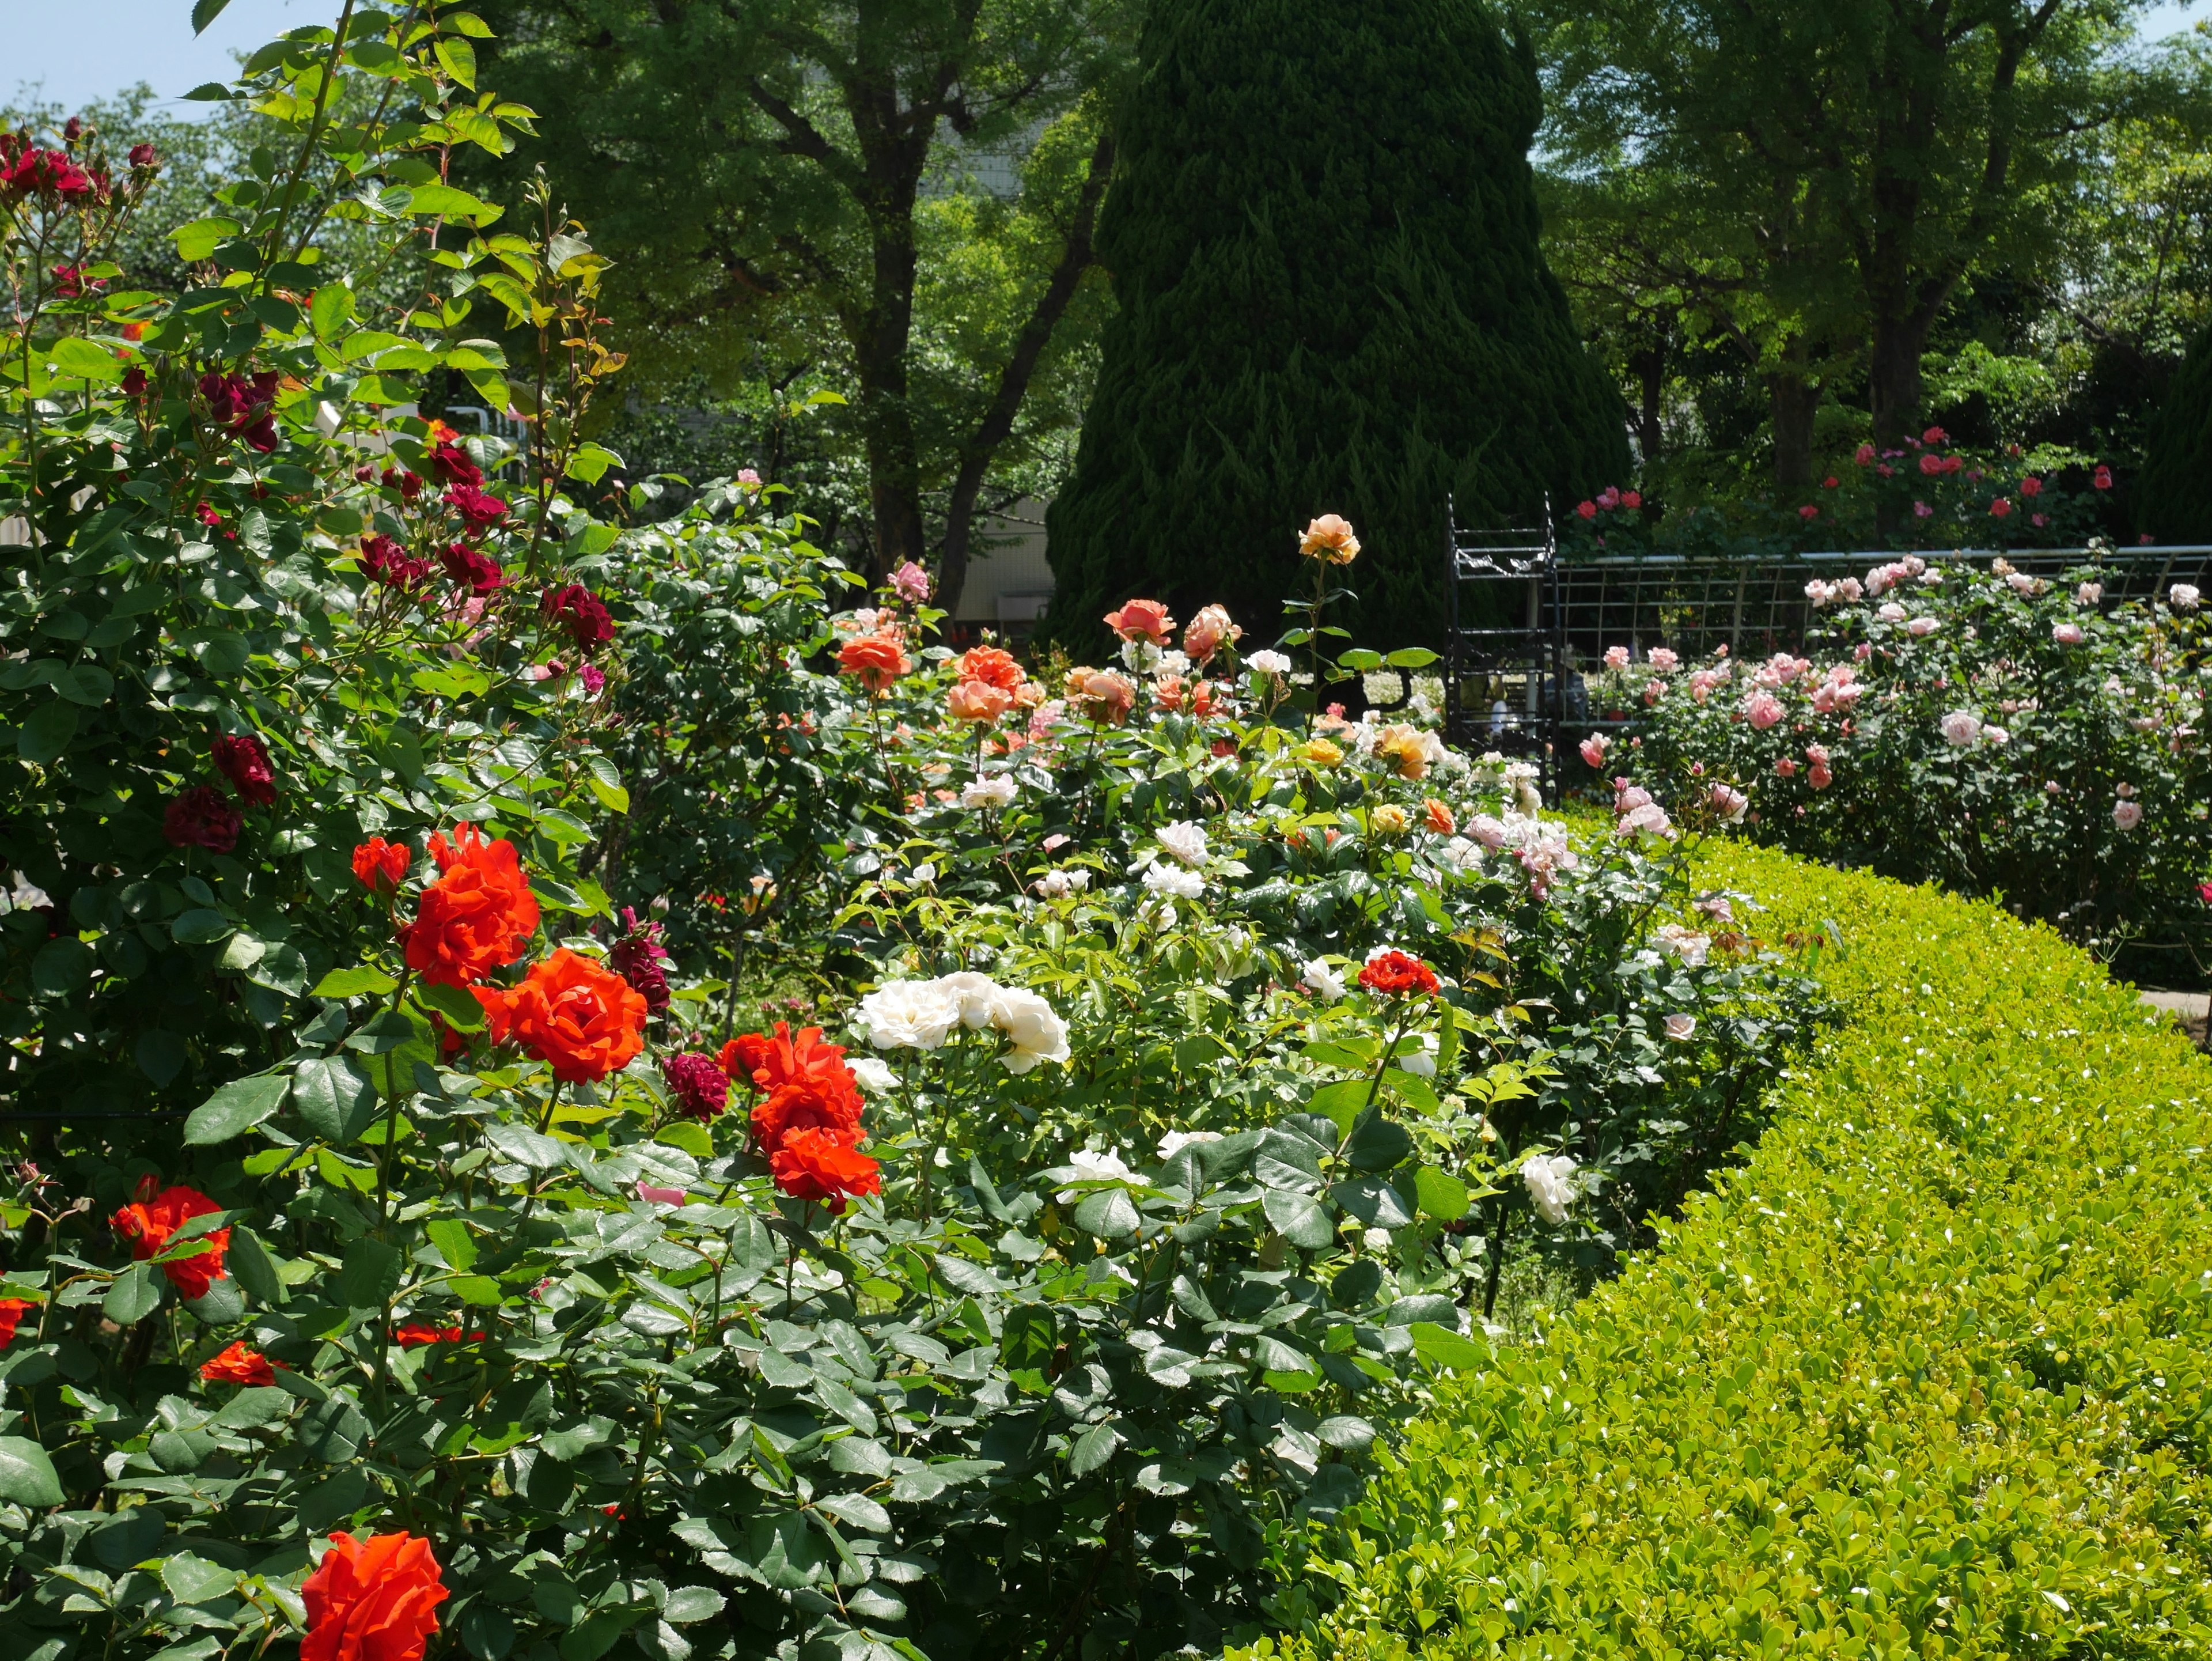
(2184, 597)
(1059, 885)
(1960, 728)
(1317, 977)
(908, 1015)
(1550, 1179)
(1269, 663)
(1036, 1033)
(1681, 1028)
(1376, 1239)
(1175, 1141)
(1185, 840)
(1168, 880)
(1685, 943)
(1096, 1167)
(975, 996)
(872, 1074)
(995, 792)
(1421, 1063)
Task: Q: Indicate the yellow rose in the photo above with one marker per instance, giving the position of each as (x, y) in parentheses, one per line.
(1321, 753)
(1390, 820)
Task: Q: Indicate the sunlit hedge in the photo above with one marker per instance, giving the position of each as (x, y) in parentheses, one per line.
(1926, 1377)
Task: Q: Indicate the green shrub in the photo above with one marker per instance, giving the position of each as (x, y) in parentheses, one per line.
(1927, 1376)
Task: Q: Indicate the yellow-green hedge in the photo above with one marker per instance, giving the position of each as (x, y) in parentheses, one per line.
(1926, 1377)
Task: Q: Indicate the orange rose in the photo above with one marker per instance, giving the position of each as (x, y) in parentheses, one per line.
(816, 1164)
(372, 1601)
(151, 1221)
(1167, 692)
(1142, 619)
(478, 914)
(977, 700)
(239, 1365)
(1439, 816)
(1209, 632)
(803, 1081)
(992, 665)
(1405, 749)
(1104, 695)
(1330, 538)
(875, 660)
(571, 1013)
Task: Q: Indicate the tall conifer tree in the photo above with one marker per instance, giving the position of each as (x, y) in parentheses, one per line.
(2173, 495)
(1322, 232)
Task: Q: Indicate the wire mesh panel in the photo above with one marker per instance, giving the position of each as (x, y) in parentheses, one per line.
(1504, 662)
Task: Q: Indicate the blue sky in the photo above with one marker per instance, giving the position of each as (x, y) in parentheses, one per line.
(85, 49)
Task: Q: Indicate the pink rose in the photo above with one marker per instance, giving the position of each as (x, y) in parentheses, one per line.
(1765, 709)
(2068, 634)
(1593, 749)
(2127, 814)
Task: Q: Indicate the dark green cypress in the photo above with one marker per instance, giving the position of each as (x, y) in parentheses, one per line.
(2173, 493)
(1322, 234)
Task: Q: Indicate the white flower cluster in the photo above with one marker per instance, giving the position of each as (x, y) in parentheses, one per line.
(1059, 885)
(997, 791)
(922, 1014)
(1550, 1182)
(1685, 943)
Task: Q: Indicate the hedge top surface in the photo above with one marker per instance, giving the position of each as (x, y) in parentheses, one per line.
(1926, 1376)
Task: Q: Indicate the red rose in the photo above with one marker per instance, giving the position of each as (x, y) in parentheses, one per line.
(143, 156)
(12, 1310)
(875, 660)
(244, 406)
(450, 464)
(372, 1601)
(380, 866)
(816, 1164)
(578, 609)
(637, 958)
(388, 562)
(202, 818)
(152, 1220)
(134, 382)
(240, 1366)
(478, 511)
(415, 1334)
(245, 762)
(1397, 973)
(477, 914)
(479, 572)
(744, 1055)
(696, 1080)
(572, 1014)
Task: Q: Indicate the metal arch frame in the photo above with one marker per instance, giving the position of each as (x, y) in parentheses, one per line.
(1532, 653)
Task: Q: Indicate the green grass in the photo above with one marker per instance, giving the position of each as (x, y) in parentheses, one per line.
(1927, 1376)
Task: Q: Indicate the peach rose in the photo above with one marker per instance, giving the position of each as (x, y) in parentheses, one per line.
(1330, 538)
(977, 700)
(1142, 619)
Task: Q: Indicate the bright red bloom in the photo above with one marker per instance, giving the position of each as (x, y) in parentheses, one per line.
(1808, 512)
(478, 511)
(415, 1334)
(151, 1222)
(817, 1164)
(26, 170)
(1398, 973)
(380, 866)
(390, 564)
(2000, 507)
(696, 1080)
(240, 1366)
(2031, 486)
(578, 1018)
(2205, 892)
(376, 1601)
(2102, 478)
(244, 761)
(744, 1055)
(576, 608)
(1931, 463)
(477, 914)
(12, 1310)
(476, 571)
(1935, 435)
(202, 818)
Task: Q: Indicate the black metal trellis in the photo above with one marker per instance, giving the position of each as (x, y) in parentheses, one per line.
(1504, 659)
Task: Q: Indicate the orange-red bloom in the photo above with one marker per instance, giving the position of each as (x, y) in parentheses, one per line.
(415, 1334)
(1399, 972)
(1439, 816)
(12, 1310)
(875, 660)
(817, 1164)
(1142, 619)
(992, 665)
(372, 1601)
(240, 1366)
(478, 914)
(151, 1222)
(575, 1016)
(803, 1082)
(380, 866)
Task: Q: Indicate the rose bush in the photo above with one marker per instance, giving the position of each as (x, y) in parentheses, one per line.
(409, 1244)
(2003, 733)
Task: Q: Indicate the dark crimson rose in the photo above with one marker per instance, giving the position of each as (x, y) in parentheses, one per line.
(134, 382)
(244, 406)
(390, 564)
(245, 762)
(697, 1082)
(26, 170)
(202, 818)
(450, 464)
(473, 568)
(578, 609)
(144, 155)
(478, 511)
(637, 958)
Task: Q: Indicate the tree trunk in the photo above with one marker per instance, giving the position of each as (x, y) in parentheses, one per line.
(1650, 367)
(1792, 397)
(998, 421)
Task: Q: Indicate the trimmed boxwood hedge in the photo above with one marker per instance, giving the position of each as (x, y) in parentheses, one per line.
(1926, 1376)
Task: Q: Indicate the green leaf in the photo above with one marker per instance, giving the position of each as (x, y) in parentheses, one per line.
(459, 58)
(1440, 1195)
(1109, 1213)
(1440, 1347)
(62, 968)
(691, 1136)
(87, 684)
(354, 984)
(1410, 657)
(334, 1097)
(368, 1275)
(249, 1260)
(1297, 1218)
(75, 359)
(590, 462)
(1093, 1449)
(235, 1109)
(448, 203)
(454, 1242)
(1341, 1103)
(26, 1475)
(523, 1147)
(330, 309)
(460, 1010)
(136, 1295)
(196, 240)
(47, 733)
(201, 926)
(1361, 659)
(1377, 1144)
(385, 1032)
(205, 12)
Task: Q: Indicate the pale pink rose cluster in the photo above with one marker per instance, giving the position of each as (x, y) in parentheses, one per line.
(1883, 578)
(1780, 669)
(1637, 813)
(1838, 690)
(1763, 709)
(1822, 592)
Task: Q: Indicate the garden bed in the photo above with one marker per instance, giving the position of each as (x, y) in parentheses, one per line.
(1927, 1375)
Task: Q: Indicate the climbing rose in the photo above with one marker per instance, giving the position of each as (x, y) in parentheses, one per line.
(239, 1365)
(2127, 814)
(2102, 478)
(415, 1336)
(579, 1019)
(576, 608)
(478, 914)
(475, 570)
(12, 1310)
(380, 866)
(637, 958)
(245, 762)
(478, 511)
(201, 818)
(390, 564)
(151, 1222)
(372, 1601)
(1398, 972)
(1593, 749)
(244, 406)
(701, 1087)
(2068, 634)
